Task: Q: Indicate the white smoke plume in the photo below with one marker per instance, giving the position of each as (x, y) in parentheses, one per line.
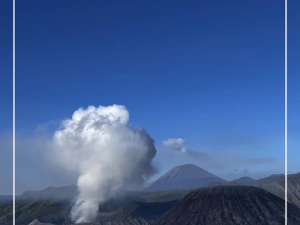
(180, 145)
(176, 144)
(107, 154)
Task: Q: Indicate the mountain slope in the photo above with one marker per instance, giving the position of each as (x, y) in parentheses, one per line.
(183, 177)
(276, 185)
(230, 205)
(51, 193)
(277, 175)
(243, 180)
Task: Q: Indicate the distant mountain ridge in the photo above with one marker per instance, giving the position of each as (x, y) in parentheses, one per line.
(183, 177)
(226, 205)
(275, 185)
(54, 193)
(53, 204)
(243, 180)
(277, 175)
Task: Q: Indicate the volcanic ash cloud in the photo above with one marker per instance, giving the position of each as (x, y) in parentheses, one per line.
(105, 152)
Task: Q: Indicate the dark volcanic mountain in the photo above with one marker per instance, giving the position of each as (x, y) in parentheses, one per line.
(243, 180)
(183, 177)
(230, 205)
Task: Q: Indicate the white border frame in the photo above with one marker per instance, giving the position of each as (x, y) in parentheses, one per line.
(14, 112)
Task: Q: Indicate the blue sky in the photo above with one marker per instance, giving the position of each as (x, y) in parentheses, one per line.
(210, 72)
(205, 67)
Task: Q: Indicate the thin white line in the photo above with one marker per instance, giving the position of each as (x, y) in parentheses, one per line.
(286, 113)
(14, 112)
